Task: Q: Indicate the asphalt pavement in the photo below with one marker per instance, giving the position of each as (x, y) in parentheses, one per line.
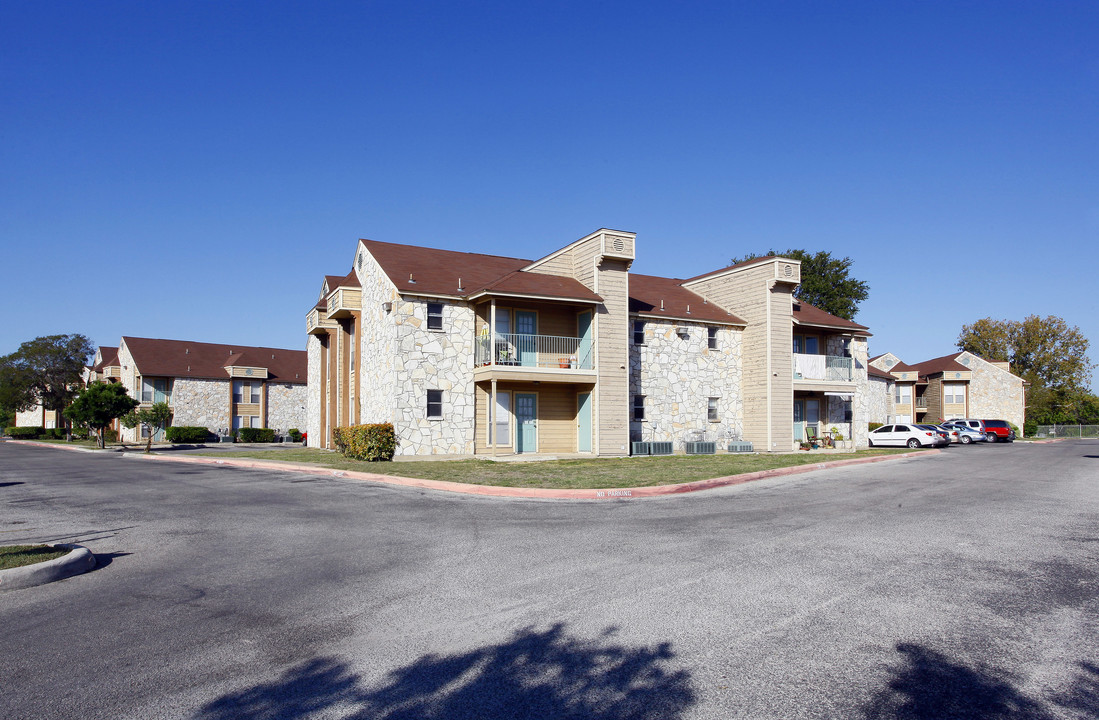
(963, 585)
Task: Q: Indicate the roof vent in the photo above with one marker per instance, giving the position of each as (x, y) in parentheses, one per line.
(661, 303)
(618, 245)
(460, 288)
(187, 351)
(688, 309)
(188, 368)
(411, 281)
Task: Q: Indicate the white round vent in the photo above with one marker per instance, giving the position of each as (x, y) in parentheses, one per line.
(788, 271)
(618, 245)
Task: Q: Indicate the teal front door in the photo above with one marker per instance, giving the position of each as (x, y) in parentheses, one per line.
(583, 422)
(583, 331)
(526, 419)
(526, 327)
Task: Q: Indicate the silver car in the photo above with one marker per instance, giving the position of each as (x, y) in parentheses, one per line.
(966, 434)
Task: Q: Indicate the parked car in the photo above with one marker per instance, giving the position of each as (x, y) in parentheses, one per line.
(903, 435)
(966, 434)
(998, 431)
(949, 433)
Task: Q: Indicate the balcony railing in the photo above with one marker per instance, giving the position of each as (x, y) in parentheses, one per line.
(921, 402)
(823, 367)
(538, 351)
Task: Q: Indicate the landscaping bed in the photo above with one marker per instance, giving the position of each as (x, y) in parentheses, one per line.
(13, 556)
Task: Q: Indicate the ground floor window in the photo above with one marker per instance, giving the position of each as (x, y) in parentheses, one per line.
(435, 404)
(638, 407)
(711, 409)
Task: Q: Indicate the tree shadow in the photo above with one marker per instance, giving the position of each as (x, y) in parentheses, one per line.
(9, 484)
(534, 675)
(931, 686)
(102, 560)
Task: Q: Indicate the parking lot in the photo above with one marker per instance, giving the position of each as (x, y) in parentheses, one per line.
(964, 584)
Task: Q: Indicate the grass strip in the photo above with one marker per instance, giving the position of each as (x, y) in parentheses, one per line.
(579, 474)
(13, 556)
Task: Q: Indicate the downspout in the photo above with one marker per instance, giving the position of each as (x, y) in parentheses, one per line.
(770, 371)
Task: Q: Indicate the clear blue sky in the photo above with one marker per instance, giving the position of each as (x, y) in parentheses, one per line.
(190, 170)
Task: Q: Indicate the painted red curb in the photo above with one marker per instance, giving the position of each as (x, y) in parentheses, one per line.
(543, 493)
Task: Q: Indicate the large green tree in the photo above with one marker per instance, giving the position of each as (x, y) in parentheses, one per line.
(46, 370)
(825, 281)
(97, 405)
(1046, 351)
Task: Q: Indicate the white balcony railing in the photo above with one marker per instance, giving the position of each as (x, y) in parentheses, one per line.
(823, 367)
(539, 351)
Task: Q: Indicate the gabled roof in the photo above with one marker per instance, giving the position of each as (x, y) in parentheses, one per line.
(946, 363)
(741, 264)
(109, 358)
(430, 271)
(653, 296)
(875, 372)
(806, 314)
(182, 358)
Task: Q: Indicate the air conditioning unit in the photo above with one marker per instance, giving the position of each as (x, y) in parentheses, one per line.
(736, 446)
(700, 448)
(641, 448)
(662, 448)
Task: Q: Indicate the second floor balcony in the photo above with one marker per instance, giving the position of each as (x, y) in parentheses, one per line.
(831, 368)
(537, 351)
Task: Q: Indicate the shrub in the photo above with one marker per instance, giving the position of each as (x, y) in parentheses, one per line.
(295, 434)
(186, 434)
(874, 426)
(24, 432)
(110, 435)
(256, 435)
(54, 433)
(1030, 427)
(366, 442)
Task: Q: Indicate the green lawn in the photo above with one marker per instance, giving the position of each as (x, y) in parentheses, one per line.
(13, 556)
(567, 474)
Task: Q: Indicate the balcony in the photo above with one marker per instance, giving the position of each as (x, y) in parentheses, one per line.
(921, 402)
(829, 368)
(317, 323)
(518, 356)
(343, 301)
(112, 371)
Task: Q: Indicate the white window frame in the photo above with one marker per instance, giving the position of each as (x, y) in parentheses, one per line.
(428, 404)
(433, 315)
(638, 408)
(711, 409)
(638, 332)
(711, 338)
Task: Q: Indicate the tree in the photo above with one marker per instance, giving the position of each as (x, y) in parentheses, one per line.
(1045, 351)
(155, 417)
(99, 404)
(15, 392)
(825, 281)
(46, 370)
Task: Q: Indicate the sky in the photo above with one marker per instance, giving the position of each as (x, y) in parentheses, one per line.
(192, 170)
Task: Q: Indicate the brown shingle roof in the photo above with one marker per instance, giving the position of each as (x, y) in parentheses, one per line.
(649, 292)
(430, 271)
(182, 358)
(806, 314)
(946, 363)
(871, 370)
(109, 357)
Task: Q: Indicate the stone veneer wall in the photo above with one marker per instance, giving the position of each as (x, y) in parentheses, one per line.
(202, 402)
(129, 381)
(286, 403)
(994, 393)
(879, 405)
(677, 376)
(313, 392)
(433, 360)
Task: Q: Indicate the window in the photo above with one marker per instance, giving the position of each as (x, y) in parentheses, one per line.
(154, 390)
(638, 332)
(847, 415)
(799, 341)
(711, 409)
(711, 338)
(953, 393)
(811, 346)
(434, 316)
(435, 403)
(904, 395)
(500, 429)
(638, 407)
(246, 391)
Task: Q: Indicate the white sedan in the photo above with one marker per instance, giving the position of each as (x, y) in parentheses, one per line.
(911, 436)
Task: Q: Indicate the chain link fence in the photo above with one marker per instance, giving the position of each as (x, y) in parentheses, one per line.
(1069, 431)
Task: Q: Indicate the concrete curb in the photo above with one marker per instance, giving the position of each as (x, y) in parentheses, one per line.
(55, 446)
(79, 561)
(541, 493)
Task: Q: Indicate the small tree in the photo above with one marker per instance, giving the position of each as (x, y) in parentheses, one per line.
(99, 404)
(46, 370)
(155, 417)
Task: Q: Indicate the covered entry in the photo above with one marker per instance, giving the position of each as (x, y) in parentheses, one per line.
(531, 417)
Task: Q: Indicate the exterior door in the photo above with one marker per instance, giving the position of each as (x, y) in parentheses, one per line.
(583, 331)
(583, 422)
(526, 421)
(526, 327)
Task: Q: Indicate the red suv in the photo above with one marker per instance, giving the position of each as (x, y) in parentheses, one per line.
(998, 430)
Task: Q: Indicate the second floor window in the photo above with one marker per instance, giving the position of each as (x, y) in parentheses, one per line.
(638, 332)
(638, 407)
(246, 391)
(711, 338)
(434, 316)
(154, 390)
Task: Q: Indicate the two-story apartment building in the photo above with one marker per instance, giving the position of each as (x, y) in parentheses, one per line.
(216, 386)
(958, 385)
(478, 354)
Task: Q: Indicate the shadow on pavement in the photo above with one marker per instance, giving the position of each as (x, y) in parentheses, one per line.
(929, 685)
(534, 675)
(9, 484)
(102, 560)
